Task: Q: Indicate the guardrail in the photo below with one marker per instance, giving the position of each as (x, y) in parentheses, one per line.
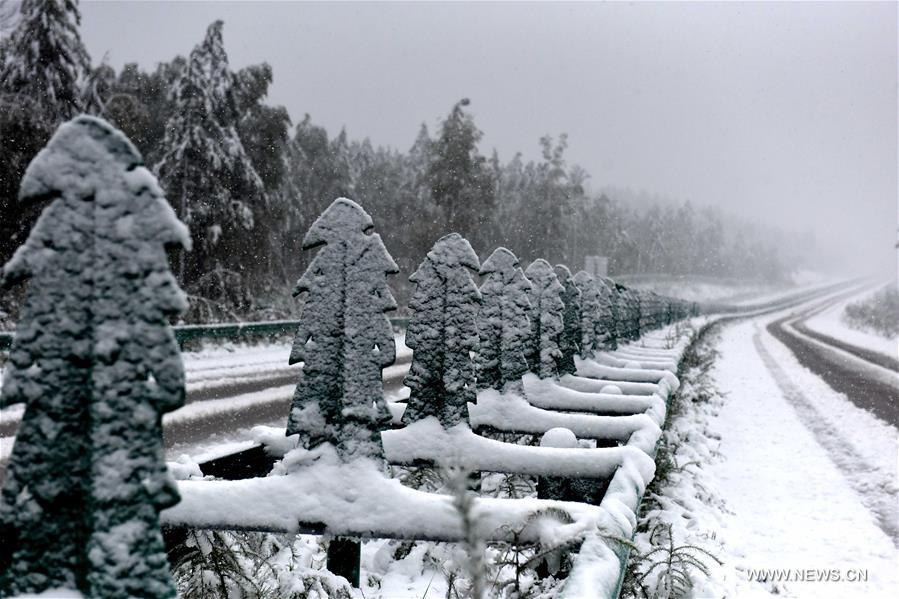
(256, 461)
(229, 330)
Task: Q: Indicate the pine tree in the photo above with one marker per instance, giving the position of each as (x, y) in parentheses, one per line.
(96, 364)
(344, 339)
(204, 165)
(503, 324)
(42, 62)
(460, 182)
(45, 59)
(591, 310)
(570, 338)
(546, 313)
(443, 331)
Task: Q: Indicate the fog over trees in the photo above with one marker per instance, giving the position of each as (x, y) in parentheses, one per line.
(249, 179)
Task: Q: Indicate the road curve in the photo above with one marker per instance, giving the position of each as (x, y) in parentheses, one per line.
(848, 375)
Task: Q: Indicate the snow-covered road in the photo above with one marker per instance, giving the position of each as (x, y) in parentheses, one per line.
(804, 481)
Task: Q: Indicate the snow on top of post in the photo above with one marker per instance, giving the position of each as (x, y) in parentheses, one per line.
(443, 332)
(342, 217)
(96, 364)
(546, 318)
(451, 251)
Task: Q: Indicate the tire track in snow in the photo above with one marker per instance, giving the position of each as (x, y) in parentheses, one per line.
(873, 485)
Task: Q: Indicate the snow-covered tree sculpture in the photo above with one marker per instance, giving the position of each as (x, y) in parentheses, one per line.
(96, 365)
(442, 331)
(632, 311)
(344, 338)
(607, 329)
(619, 309)
(547, 309)
(591, 309)
(570, 338)
(503, 324)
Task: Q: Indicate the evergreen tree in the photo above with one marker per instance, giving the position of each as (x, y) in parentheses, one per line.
(503, 324)
(42, 62)
(205, 166)
(460, 181)
(96, 364)
(570, 338)
(45, 59)
(443, 332)
(344, 339)
(546, 313)
(591, 309)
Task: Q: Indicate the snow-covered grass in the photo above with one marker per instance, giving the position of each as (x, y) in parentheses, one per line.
(770, 469)
(700, 289)
(878, 313)
(833, 322)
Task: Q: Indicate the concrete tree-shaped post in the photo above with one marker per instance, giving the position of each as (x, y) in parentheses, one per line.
(547, 309)
(503, 324)
(344, 341)
(96, 364)
(443, 332)
(620, 310)
(637, 310)
(570, 338)
(591, 308)
(607, 320)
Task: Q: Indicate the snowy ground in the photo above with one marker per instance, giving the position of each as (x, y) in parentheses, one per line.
(830, 322)
(789, 479)
(701, 289)
(708, 289)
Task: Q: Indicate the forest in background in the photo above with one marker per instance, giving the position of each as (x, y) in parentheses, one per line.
(249, 179)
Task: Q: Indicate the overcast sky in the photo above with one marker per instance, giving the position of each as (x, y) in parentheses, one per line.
(778, 111)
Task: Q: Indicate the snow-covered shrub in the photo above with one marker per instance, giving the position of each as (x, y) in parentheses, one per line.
(344, 339)
(443, 332)
(672, 556)
(669, 569)
(96, 364)
(503, 324)
(878, 313)
(475, 565)
(570, 338)
(255, 565)
(546, 315)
